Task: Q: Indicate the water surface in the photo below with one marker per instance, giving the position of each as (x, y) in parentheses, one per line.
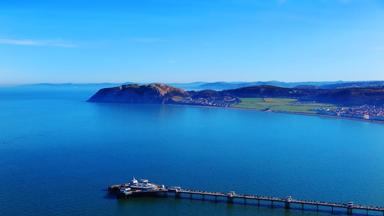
(58, 153)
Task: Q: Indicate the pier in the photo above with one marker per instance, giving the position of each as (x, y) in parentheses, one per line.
(144, 188)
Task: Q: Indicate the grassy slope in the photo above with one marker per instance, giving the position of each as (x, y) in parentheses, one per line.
(280, 105)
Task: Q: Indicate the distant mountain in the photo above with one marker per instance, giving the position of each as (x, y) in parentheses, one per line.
(323, 85)
(219, 85)
(188, 86)
(68, 85)
(361, 84)
(234, 85)
(60, 86)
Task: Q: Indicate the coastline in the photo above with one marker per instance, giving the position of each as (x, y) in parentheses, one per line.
(270, 111)
(313, 114)
(286, 112)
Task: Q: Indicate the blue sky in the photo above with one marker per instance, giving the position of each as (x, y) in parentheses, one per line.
(190, 40)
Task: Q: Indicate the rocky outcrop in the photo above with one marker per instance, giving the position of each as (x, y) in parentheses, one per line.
(158, 93)
(133, 93)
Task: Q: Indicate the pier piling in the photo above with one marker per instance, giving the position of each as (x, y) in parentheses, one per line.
(287, 203)
(349, 211)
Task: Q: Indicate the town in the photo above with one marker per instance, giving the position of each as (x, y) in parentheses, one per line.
(367, 112)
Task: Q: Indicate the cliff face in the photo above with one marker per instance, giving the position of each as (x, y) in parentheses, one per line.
(133, 93)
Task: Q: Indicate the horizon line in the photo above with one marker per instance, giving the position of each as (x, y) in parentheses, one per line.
(173, 82)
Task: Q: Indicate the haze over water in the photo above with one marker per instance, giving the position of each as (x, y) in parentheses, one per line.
(58, 153)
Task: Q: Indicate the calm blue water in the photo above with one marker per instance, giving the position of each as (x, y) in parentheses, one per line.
(58, 153)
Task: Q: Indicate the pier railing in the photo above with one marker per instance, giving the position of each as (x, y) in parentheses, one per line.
(232, 197)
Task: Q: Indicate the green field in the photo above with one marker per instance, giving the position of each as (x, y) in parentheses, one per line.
(280, 105)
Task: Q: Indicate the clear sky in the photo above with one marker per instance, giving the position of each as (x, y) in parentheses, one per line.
(190, 40)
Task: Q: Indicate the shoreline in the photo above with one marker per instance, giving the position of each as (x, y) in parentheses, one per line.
(314, 114)
(255, 110)
(289, 113)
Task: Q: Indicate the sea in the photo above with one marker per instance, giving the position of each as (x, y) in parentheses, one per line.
(59, 153)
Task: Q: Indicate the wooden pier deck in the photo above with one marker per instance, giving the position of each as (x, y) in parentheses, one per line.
(232, 197)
